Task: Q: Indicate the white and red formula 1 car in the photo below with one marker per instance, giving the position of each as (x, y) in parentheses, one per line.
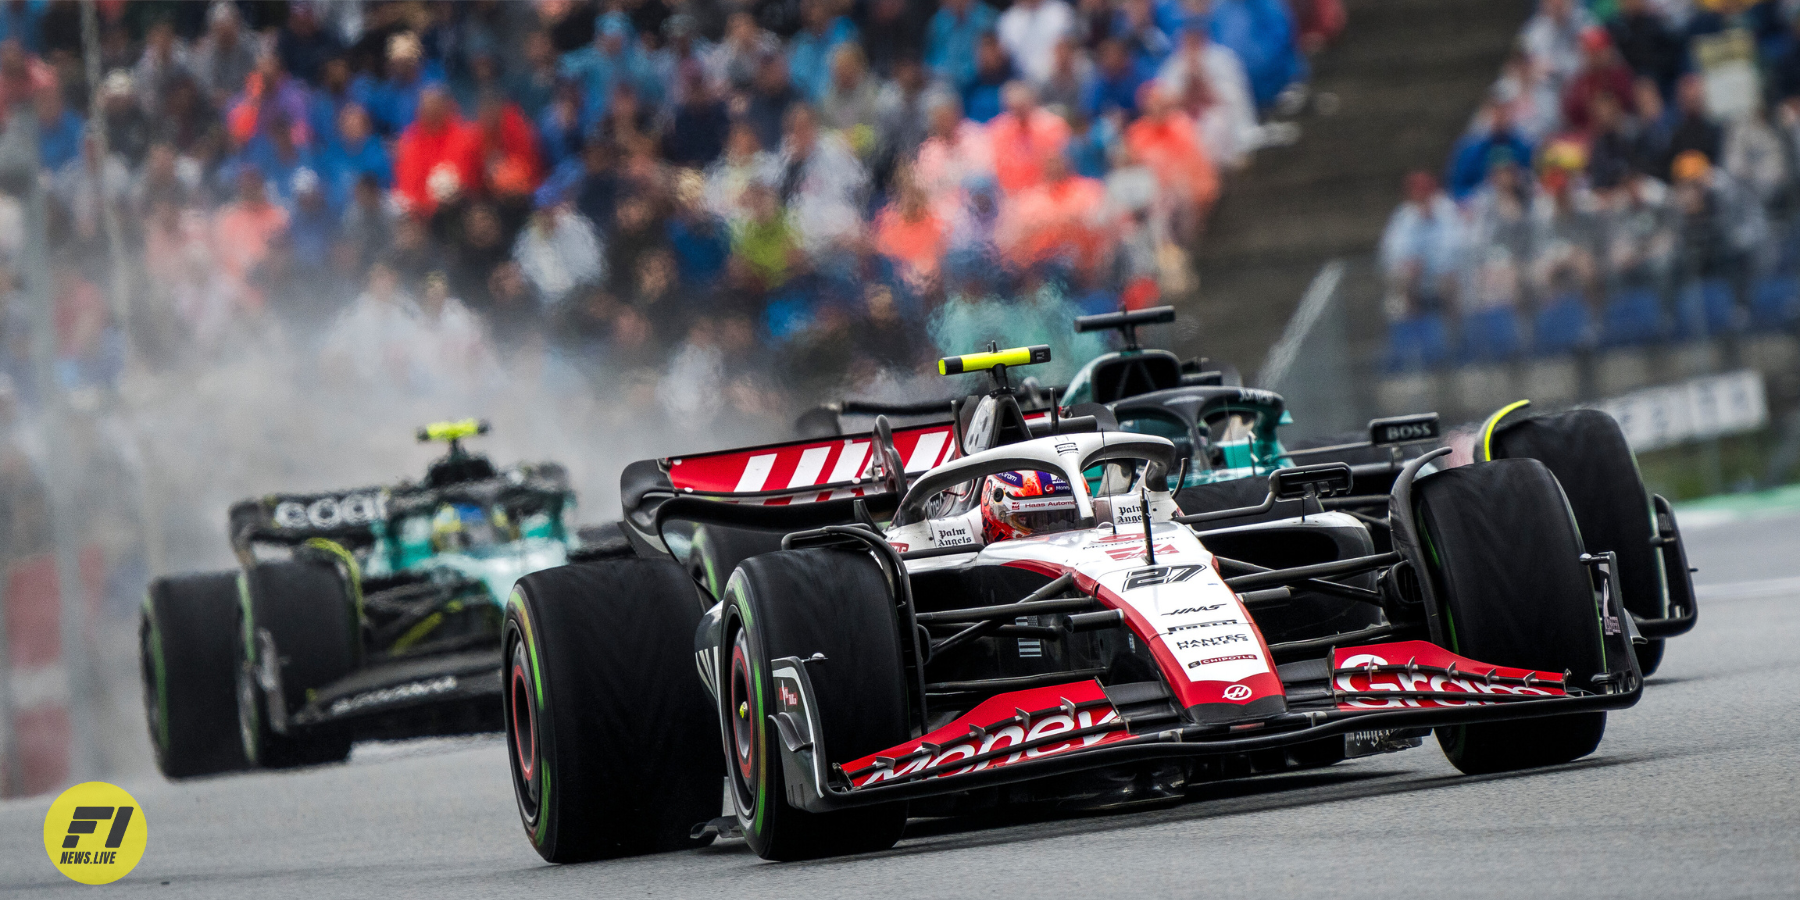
(1000, 611)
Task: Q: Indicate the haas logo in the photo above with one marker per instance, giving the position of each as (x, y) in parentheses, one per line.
(1237, 692)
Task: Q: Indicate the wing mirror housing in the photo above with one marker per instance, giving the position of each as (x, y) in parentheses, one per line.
(1296, 483)
(1321, 480)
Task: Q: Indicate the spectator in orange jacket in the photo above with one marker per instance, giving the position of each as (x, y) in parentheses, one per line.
(242, 231)
(1166, 141)
(431, 160)
(1023, 137)
(910, 234)
(501, 147)
(1061, 218)
(269, 95)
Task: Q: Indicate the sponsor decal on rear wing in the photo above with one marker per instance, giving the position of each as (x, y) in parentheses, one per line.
(808, 471)
(291, 518)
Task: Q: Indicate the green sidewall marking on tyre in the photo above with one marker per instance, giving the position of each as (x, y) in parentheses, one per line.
(244, 605)
(252, 749)
(517, 602)
(160, 673)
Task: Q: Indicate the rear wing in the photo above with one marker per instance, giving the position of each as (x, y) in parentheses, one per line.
(297, 518)
(351, 516)
(792, 485)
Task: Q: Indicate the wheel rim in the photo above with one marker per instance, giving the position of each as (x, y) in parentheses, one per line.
(739, 712)
(522, 732)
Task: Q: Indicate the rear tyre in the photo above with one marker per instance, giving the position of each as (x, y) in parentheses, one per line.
(188, 659)
(717, 551)
(798, 603)
(299, 631)
(1586, 451)
(1505, 555)
(611, 738)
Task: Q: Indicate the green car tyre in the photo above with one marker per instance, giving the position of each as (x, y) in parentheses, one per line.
(188, 658)
(290, 644)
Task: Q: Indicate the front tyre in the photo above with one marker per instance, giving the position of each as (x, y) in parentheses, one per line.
(1586, 450)
(1504, 553)
(801, 603)
(610, 736)
(188, 659)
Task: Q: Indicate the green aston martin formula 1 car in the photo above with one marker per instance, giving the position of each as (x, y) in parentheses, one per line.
(366, 613)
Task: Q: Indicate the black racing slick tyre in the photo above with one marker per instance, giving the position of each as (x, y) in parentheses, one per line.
(189, 662)
(611, 738)
(298, 633)
(1586, 451)
(716, 552)
(800, 603)
(1505, 557)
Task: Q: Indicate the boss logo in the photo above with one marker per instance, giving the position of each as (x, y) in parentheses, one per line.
(1406, 432)
(1404, 429)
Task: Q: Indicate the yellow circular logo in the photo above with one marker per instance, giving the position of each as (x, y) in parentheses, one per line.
(95, 833)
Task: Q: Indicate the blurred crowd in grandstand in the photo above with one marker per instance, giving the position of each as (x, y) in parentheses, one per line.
(659, 190)
(1633, 178)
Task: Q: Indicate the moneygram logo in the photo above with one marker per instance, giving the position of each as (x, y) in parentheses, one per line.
(95, 833)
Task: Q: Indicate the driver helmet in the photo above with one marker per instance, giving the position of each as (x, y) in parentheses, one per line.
(1022, 503)
(461, 526)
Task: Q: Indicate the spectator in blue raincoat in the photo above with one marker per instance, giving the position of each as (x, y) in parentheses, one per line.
(1117, 77)
(1470, 160)
(612, 59)
(21, 21)
(810, 49)
(59, 129)
(353, 152)
(1261, 32)
(951, 37)
(394, 102)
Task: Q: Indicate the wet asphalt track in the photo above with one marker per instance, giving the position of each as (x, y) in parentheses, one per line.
(1694, 793)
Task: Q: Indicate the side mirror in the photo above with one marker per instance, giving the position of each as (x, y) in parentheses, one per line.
(1404, 429)
(1322, 480)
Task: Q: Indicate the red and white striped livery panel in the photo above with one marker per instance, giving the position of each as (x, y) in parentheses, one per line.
(789, 472)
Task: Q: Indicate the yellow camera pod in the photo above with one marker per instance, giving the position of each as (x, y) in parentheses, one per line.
(453, 431)
(977, 362)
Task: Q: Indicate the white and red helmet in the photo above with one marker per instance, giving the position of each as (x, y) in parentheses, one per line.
(1023, 503)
